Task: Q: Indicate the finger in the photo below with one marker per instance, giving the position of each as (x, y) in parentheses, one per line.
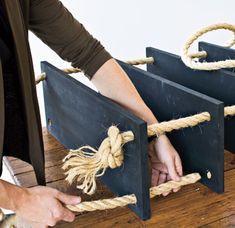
(166, 193)
(157, 165)
(67, 216)
(172, 170)
(162, 178)
(178, 165)
(151, 152)
(68, 199)
(175, 189)
(169, 177)
(155, 177)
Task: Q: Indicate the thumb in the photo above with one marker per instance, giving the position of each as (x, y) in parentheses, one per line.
(68, 199)
(178, 166)
(172, 170)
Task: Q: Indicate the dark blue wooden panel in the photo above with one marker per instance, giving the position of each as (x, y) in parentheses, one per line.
(217, 53)
(219, 84)
(80, 116)
(200, 147)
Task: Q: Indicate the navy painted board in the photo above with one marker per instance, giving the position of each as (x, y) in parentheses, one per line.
(76, 116)
(219, 84)
(201, 148)
(217, 53)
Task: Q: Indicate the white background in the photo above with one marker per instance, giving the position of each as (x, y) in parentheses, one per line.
(127, 27)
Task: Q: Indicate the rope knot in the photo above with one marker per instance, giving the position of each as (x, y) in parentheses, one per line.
(111, 149)
(87, 163)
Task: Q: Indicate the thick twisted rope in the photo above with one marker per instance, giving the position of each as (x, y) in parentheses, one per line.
(40, 78)
(189, 60)
(86, 163)
(71, 70)
(148, 60)
(131, 199)
(229, 111)
(122, 201)
(168, 126)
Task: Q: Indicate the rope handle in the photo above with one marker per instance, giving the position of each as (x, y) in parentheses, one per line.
(189, 59)
(131, 199)
(122, 201)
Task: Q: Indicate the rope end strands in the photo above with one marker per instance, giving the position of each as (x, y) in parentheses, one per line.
(131, 199)
(87, 163)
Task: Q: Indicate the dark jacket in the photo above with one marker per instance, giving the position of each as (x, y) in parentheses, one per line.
(56, 27)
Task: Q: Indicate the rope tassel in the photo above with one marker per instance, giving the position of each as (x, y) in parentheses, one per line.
(86, 163)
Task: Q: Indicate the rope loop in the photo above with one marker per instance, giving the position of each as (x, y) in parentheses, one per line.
(87, 163)
(189, 59)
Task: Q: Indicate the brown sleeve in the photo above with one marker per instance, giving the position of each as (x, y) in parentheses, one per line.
(56, 27)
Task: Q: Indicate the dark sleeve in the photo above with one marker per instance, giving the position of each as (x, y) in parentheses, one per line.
(55, 26)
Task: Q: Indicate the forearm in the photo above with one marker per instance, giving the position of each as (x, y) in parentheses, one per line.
(9, 195)
(113, 82)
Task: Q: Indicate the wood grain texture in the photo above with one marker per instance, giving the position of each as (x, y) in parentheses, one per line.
(192, 206)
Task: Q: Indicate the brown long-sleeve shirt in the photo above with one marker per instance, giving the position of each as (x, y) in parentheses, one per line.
(56, 27)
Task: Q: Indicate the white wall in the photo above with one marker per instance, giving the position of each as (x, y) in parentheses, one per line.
(126, 27)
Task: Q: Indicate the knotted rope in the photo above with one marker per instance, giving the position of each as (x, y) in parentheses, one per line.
(131, 199)
(86, 163)
(189, 59)
(71, 70)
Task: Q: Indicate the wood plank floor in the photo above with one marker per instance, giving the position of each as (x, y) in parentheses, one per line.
(192, 206)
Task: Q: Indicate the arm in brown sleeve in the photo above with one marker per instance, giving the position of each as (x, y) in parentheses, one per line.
(56, 27)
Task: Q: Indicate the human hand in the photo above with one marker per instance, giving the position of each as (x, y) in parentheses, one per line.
(165, 162)
(44, 206)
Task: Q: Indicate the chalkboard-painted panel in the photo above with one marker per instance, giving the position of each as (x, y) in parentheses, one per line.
(217, 53)
(201, 147)
(77, 116)
(219, 84)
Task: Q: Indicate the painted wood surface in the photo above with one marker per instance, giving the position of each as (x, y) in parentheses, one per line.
(201, 147)
(218, 84)
(78, 116)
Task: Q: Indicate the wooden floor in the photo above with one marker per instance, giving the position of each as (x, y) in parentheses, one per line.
(193, 206)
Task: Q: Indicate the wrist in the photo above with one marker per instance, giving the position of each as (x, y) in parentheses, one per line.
(18, 198)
